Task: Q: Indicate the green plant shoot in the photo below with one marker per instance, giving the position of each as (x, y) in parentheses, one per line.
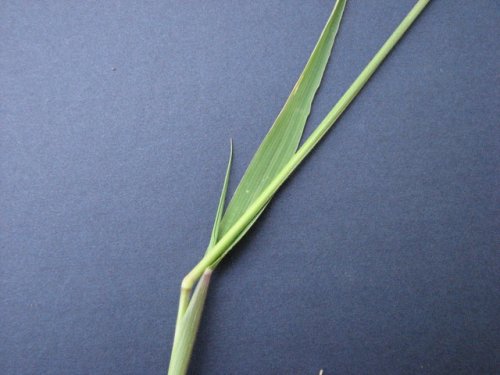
(277, 157)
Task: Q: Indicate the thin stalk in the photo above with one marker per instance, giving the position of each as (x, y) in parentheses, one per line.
(183, 304)
(187, 327)
(227, 240)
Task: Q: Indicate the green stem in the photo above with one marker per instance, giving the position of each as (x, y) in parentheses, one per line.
(220, 247)
(187, 325)
(183, 304)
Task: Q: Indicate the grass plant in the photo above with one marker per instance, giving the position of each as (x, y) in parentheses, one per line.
(276, 158)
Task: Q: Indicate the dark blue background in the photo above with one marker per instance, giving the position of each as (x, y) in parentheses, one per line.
(379, 256)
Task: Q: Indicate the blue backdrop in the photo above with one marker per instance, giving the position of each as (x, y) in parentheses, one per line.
(379, 256)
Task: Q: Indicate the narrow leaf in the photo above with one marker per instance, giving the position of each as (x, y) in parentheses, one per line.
(283, 138)
(222, 199)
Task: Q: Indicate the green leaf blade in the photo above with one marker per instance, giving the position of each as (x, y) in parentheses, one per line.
(283, 138)
(220, 208)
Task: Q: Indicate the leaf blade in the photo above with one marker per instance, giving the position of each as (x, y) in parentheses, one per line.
(283, 138)
(220, 208)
